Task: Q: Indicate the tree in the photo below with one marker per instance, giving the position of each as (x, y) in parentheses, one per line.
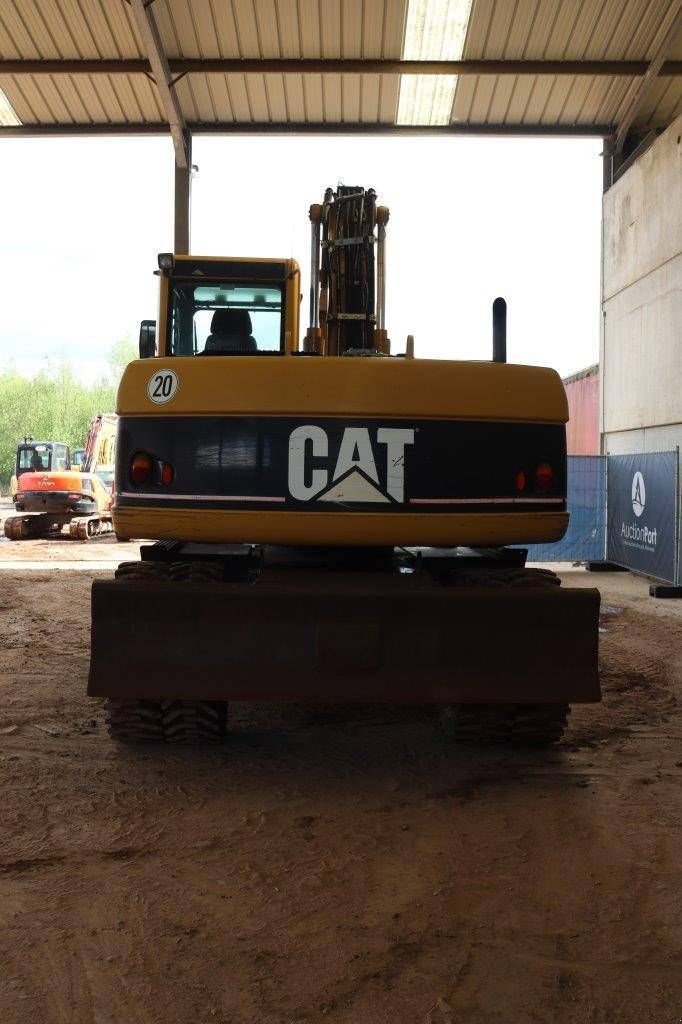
(122, 352)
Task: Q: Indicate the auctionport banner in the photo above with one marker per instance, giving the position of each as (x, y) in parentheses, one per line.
(641, 513)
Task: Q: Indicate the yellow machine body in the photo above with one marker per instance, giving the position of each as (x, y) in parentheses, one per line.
(296, 388)
(354, 390)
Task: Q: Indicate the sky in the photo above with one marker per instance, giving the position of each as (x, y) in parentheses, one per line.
(471, 218)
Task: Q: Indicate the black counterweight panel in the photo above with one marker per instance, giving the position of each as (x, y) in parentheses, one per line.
(321, 464)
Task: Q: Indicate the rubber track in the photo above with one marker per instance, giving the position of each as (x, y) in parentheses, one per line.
(80, 527)
(14, 528)
(171, 721)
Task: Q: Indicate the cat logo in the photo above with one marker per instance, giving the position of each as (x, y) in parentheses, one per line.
(363, 473)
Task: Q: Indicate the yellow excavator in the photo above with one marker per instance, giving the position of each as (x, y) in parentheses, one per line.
(333, 522)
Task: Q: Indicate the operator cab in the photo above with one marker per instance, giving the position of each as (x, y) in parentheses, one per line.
(41, 457)
(223, 307)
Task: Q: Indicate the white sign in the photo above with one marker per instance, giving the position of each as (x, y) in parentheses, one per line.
(162, 386)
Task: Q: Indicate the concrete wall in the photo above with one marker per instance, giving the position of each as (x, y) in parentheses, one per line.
(641, 348)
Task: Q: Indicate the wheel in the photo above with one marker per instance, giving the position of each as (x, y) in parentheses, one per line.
(173, 721)
(194, 721)
(133, 720)
(490, 576)
(537, 724)
(141, 571)
(184, 571)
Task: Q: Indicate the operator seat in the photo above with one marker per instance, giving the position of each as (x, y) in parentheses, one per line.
(230, 332)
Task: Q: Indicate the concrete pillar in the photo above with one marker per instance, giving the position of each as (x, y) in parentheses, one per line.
(608, 160)
(183, 188)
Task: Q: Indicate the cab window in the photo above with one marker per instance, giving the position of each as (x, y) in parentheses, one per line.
(36, 458)
(220, 319)
(61, 457)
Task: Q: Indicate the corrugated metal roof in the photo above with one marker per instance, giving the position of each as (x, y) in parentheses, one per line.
(502, 29)
(560, 30)
(286, 28)
(52, 29)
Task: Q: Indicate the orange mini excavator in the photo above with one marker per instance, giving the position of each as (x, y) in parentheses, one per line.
(49, 493)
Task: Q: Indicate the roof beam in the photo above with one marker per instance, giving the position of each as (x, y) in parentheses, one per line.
(173, 66)
(314, 128)
(158, 63)
(648, 80)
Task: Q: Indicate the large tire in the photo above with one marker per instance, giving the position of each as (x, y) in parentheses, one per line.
(141, 571)
(490, 576)
(536, 724)
(172, 721)
(194, 721)
(132, 720)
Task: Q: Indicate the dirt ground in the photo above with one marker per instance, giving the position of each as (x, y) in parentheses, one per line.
(352, 867)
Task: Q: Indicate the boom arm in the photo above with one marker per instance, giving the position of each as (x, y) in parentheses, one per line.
(347, 314)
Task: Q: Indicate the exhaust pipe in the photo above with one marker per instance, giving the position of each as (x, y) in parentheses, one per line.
(499, 331)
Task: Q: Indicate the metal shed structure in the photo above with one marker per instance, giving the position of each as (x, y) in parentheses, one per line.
(609, 68)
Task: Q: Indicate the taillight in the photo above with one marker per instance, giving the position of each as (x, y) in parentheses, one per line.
(544, 475)
(167, 474)
(140, 468)
(520, 481)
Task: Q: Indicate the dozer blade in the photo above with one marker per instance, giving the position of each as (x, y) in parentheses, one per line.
(343, 637)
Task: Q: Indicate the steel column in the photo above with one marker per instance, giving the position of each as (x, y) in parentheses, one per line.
(183, 189)
(607, 163)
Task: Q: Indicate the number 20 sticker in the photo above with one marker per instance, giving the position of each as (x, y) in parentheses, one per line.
(162, 386)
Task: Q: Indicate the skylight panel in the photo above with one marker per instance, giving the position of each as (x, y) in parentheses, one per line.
(8, 116)
(435, 30)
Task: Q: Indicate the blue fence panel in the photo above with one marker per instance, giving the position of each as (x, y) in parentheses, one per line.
(642, 522)
(585, 539)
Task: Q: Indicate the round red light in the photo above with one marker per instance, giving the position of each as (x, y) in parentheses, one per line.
(140, 468)
(520, 481)
(167, 474)
(544, 475)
